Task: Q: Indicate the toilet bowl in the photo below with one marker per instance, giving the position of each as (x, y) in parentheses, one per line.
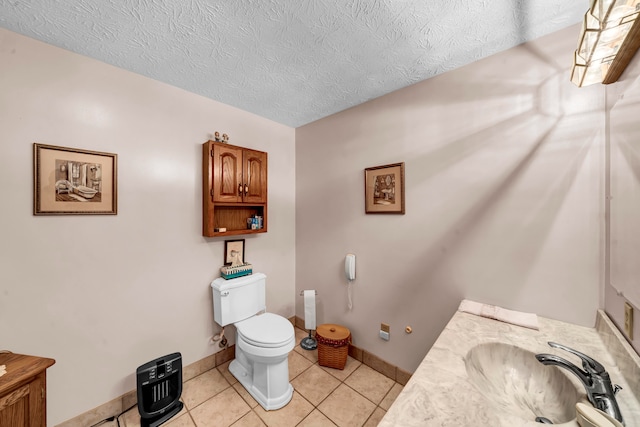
(261, 365)
(263, 341)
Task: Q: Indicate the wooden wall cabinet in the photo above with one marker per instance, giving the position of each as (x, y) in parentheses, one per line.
(234, 188)
(23, 390)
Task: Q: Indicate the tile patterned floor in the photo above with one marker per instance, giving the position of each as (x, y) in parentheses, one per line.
(357, 396)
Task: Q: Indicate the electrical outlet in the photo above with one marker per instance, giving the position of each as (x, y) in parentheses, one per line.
(384, 331)
(628, 320)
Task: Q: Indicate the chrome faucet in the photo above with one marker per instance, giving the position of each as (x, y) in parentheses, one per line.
(594, 377)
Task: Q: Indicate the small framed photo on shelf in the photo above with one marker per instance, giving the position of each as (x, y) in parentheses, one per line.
(70, 181)
(234, 252)
(384, 189)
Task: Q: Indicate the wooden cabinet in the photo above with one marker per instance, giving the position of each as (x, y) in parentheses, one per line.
(234, 181)
(23, 390)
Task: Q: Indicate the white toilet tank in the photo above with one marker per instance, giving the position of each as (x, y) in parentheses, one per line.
(238, 299)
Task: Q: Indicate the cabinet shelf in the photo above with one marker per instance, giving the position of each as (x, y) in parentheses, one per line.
(236, 232)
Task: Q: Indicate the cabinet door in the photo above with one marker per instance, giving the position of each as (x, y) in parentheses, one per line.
(255, 176)
(227, 174)
(25, 407)
(14, 408)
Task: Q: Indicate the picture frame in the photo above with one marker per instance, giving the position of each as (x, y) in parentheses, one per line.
(72, 181)
(233, 249)
(384, 189)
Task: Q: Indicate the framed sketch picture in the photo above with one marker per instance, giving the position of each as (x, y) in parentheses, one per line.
(234, 252)
(384, 189)
(69, 181)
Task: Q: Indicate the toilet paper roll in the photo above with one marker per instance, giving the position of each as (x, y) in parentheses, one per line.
(310, 309)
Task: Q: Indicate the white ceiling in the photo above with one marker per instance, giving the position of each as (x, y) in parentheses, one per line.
(290, 61)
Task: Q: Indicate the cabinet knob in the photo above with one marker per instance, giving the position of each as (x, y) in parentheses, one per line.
(246, 189)
(239, 189)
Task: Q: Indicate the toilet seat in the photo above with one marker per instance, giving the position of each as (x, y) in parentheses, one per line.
(266, 330)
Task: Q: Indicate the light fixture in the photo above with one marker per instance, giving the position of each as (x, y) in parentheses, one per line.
(609, 38)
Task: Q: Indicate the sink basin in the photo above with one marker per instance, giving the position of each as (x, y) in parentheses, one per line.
(515, 382)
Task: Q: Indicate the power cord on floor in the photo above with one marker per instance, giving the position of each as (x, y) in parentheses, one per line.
(115, 417)
(220, 337)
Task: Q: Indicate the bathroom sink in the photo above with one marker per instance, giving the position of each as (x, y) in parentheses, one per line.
(517, 384)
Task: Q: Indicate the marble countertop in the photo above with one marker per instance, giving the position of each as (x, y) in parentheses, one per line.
(440, 393)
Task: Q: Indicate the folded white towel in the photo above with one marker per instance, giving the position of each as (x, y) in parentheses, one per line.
(528, 320)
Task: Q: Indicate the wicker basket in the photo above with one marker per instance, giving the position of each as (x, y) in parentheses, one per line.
(333, 345)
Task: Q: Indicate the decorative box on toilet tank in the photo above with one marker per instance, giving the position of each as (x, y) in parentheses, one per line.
(333, 345)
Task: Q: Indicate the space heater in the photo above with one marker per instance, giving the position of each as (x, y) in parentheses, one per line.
(159, 388)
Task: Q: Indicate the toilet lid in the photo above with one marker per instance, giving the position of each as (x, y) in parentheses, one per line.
(266, 330)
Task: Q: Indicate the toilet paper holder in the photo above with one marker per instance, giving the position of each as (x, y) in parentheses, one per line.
(309, 343)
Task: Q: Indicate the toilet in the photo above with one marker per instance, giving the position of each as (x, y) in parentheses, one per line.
(263, 340)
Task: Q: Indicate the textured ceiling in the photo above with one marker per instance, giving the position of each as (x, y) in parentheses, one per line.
(290, 61)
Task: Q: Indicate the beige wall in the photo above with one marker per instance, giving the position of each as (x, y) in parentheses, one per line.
(504, 200)
(104, 294)
(623, 104)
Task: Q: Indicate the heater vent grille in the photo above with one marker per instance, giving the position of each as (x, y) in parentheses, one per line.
(160, 391)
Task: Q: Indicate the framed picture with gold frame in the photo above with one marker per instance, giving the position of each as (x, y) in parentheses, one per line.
(384, 189)
(70, 181)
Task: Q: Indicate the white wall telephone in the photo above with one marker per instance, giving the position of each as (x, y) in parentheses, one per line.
(350, 267)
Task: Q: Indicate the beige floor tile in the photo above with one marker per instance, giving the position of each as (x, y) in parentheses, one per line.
(203, 387)
(183, 420)
(375, 418)
(346, 408)
(250, 420)
(369, 383)
(297, 364)
(294, 412)
(222, 410)
(224, 370)
(131, 418)
(311, 355)
(245, 395)
(342, 374)
(391, 396)
(315, 384)
(316, 419)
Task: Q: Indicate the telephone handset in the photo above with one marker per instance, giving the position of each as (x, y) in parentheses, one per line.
(350, 267)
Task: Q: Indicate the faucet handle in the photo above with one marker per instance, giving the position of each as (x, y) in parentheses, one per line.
(591, 365)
